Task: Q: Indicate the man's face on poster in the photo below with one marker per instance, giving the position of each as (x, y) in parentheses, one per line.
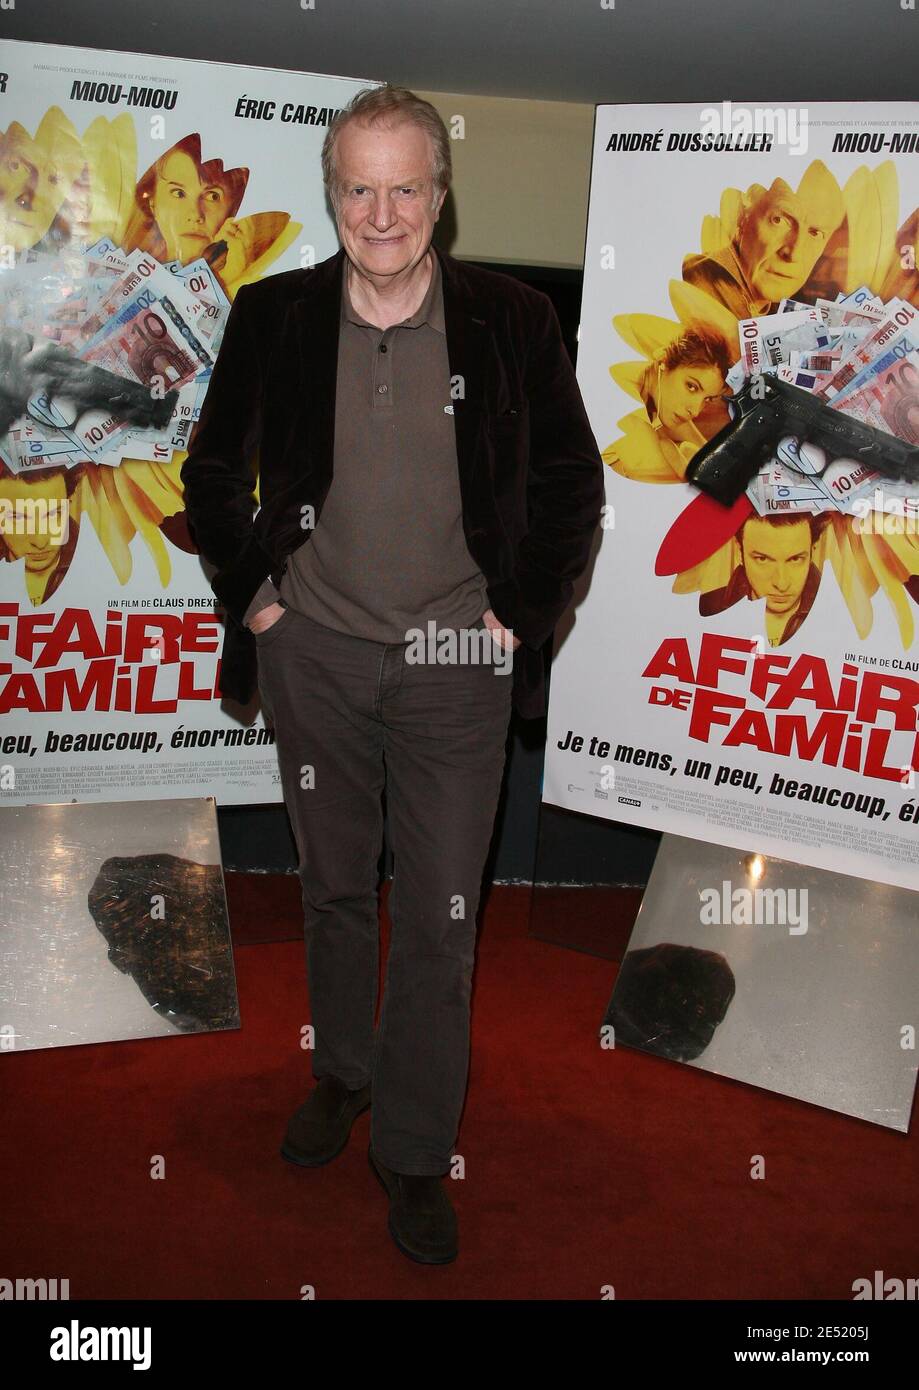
(40, 543)
(781, 241)
(776, 561)
(188, 211)
(386, 206)
(32, 190)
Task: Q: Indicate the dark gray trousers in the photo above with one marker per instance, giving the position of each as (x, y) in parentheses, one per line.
(350, 716)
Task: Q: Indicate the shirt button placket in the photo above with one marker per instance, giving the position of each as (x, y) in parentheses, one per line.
(382, 396)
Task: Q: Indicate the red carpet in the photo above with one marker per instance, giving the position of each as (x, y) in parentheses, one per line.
(584, 1167)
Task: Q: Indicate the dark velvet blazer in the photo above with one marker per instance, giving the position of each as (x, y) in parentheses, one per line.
(530, 473)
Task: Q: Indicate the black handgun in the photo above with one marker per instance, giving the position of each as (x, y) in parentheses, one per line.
(55, 370)
(766, 410)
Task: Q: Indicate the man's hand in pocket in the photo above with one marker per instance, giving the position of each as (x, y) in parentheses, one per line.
(503, 635)
(266, 617)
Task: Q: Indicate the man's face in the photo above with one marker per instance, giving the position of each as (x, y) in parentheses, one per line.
(776, 560)
(188, 211)
(781, 242)
(386, 208)
(39, 542)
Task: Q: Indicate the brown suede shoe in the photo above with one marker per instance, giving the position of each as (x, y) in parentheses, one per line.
(422, 1221)
(319, 1130)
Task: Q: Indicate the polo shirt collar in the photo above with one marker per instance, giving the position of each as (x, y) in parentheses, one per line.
(430, 310)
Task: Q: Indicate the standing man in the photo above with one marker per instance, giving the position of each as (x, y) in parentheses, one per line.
(426, 464)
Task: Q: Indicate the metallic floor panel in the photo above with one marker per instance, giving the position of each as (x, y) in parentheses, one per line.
(811, 991)
(113, 923)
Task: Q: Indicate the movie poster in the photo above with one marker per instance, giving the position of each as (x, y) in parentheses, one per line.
(744, 668)
(137, 194)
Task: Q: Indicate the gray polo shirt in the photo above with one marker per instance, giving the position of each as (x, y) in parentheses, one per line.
(388, 552)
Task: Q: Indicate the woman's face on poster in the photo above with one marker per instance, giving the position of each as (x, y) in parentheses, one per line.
(32, 190)
(687, 392)
(188, 211)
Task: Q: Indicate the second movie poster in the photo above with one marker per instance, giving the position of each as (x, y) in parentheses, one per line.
(744, 667)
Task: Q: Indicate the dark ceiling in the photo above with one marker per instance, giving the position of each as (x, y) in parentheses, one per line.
(559, 50)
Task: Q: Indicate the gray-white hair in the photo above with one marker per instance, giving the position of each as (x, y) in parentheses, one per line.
(390, 105)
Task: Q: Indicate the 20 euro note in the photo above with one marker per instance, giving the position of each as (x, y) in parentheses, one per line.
(898, 329)
(890, 399)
